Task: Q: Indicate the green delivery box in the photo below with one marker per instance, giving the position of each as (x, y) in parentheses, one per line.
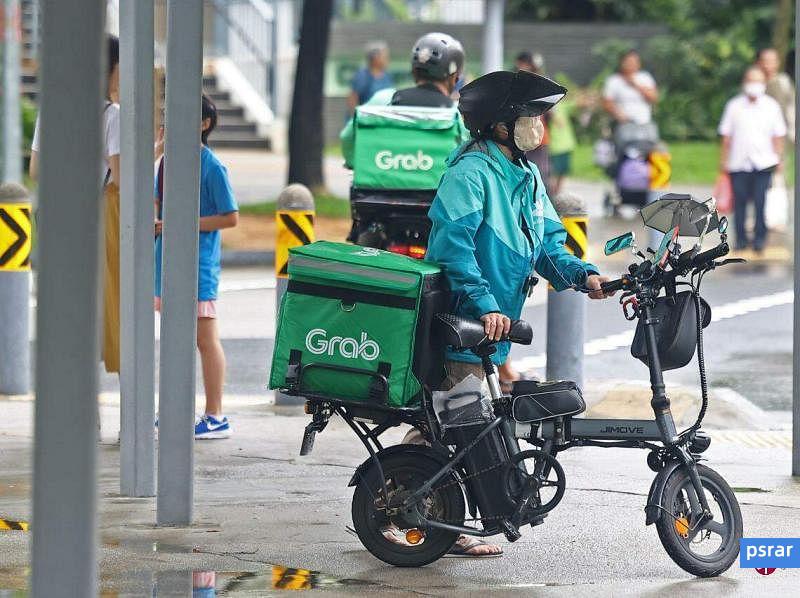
(403, 147)
(354, 325)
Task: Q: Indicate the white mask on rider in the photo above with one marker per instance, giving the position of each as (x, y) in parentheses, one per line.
(528, 133)
(754, 89)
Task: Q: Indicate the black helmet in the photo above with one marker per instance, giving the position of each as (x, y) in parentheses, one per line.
(504, 96)
(438, 55)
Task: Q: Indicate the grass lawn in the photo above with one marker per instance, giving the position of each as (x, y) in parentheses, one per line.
(326, 205)
(692, 162)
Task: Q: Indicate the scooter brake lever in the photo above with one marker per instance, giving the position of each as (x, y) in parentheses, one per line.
(730, 260)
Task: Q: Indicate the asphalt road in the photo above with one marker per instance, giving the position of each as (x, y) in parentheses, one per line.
(749, 350)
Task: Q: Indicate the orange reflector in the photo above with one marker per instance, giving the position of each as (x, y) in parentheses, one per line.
(682, 526)
(414, 536)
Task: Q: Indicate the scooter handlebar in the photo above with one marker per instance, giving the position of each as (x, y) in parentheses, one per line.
(612, 286)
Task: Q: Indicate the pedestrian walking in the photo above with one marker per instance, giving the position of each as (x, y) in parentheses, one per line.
(218, 210)
(753, 132)
(370, 78)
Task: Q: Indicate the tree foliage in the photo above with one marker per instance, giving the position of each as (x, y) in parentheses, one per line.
(698, 65)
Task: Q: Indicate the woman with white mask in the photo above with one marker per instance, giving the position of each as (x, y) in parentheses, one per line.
(753, 132)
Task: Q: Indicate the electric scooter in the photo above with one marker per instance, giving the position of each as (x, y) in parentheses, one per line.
(409, 508)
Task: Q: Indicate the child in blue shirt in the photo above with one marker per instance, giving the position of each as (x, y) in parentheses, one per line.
(218, 210)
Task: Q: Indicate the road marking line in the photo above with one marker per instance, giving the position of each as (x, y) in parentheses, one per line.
(753, 438)
(623, 339)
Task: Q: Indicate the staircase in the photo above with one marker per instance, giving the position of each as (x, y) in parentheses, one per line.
(233, 129)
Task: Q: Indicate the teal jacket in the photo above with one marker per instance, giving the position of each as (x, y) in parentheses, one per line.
(478, 240)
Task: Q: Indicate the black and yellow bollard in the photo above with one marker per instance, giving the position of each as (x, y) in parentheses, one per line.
(566, 311)
(294, 226)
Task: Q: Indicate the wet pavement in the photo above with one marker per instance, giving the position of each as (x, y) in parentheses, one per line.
(262, 512)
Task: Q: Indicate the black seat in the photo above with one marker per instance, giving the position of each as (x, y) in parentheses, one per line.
(533, 401)
(461, 333)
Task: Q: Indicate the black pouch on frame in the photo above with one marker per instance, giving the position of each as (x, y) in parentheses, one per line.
(676, 330)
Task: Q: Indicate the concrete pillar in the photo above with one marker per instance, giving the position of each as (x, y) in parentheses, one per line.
(180, 258)
(492, 57)
(137, 345)
(284, 57)
(15, 287)
(796, 219)
(11, 131)
(67, 353)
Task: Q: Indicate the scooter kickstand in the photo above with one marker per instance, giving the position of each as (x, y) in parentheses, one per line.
(308, 439)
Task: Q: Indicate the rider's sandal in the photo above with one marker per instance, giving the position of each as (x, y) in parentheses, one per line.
(463, 550)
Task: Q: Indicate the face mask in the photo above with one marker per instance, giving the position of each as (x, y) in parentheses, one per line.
(528, 133)
(754, 89)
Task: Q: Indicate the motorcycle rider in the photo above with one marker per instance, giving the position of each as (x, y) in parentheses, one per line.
(493, 223)
(437, 63)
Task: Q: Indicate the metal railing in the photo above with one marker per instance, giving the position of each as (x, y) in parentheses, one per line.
(250, 41)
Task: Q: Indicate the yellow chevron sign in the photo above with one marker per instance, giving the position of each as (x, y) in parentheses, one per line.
(15, 237)
(293, 229)
(660, 169)
(577, 242)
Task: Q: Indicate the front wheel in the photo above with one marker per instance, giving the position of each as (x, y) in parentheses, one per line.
(708, 549)
(394, 535)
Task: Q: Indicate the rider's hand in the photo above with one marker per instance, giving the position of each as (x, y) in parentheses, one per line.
(496, 325)
(593, 282)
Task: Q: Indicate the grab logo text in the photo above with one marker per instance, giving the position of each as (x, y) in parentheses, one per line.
(318, 343)
(386, 160)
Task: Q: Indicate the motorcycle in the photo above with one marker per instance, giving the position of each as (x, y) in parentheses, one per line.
(396, 221)
(411, 502)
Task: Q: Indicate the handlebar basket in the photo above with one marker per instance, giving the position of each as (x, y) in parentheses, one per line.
(675, 328)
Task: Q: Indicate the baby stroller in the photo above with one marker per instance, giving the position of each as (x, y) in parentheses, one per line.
(638, 163)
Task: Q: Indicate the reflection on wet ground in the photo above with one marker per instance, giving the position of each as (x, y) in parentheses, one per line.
(198, 584)
(11, 525)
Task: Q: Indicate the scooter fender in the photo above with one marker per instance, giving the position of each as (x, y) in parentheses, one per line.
(424, 452)
(653, 508)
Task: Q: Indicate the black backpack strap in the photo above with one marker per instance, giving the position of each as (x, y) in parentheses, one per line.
(378, 391)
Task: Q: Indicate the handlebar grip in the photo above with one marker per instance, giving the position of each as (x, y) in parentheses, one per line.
(613, 285)
(710, 255)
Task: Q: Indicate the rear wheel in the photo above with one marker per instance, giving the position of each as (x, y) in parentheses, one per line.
(710, 548)
(397, 538)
